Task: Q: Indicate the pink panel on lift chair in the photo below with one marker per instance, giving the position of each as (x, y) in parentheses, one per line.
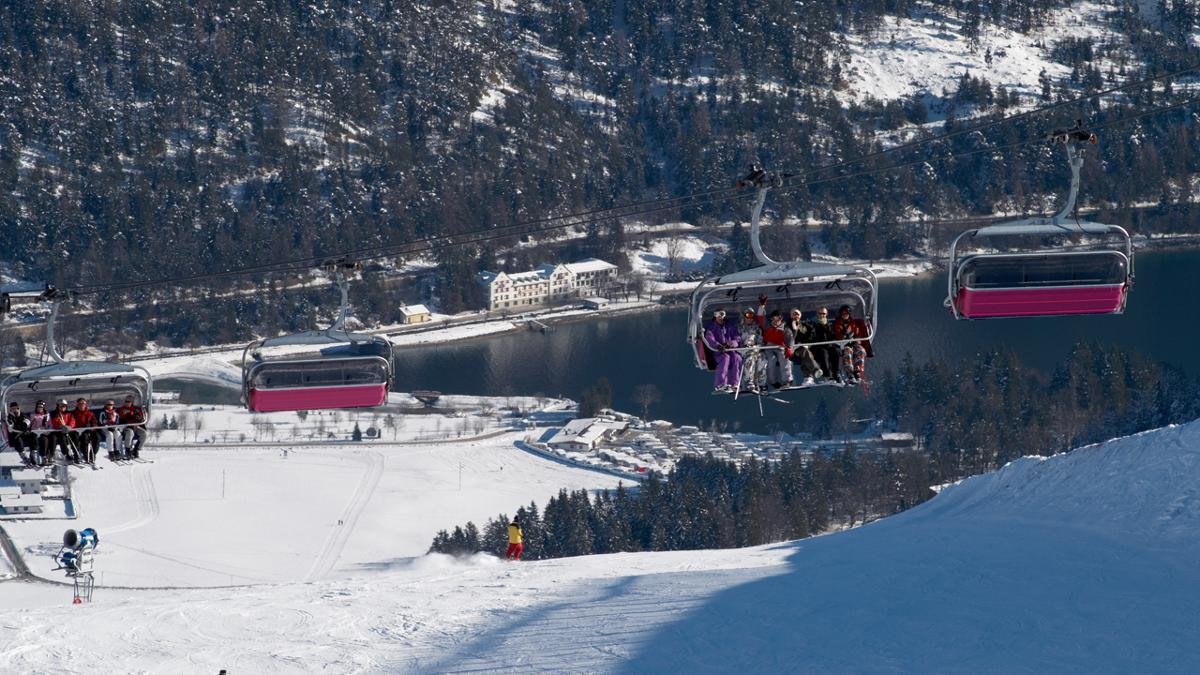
(318, 398)
(1061, 301)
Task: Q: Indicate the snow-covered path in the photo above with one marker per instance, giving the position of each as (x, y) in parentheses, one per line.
(1085, 562)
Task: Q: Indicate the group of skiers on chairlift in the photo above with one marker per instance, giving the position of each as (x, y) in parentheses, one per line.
(78, 432)
(758, 352)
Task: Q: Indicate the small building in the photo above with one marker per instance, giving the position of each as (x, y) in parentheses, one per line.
(583, 434)
(12, 506)
(897, 441)
(595, 303)
(28, 480)
(415, 314)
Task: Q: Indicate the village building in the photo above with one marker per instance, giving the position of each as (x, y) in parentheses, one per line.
(583, 434)
(28, 481)
(547, 284)
(415, 314)
(11, 505)
(595, 303)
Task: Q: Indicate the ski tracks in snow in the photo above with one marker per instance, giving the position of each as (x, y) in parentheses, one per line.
(146, 498)
(340, 533)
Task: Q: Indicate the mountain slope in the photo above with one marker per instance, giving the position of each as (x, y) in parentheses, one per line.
(188, 138)
(1082, 562)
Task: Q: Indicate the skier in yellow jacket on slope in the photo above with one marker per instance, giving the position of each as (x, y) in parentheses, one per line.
(515, 538)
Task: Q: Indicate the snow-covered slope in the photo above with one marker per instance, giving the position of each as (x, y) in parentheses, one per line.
(1085, 562)
(245, 516)
(927, 53)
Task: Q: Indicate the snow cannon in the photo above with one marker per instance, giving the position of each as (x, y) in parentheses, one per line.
(75, 558)
(85, 538)
(88, 538)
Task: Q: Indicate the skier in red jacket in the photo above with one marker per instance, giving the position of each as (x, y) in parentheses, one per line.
(779, 364)
(134, 436)
(62, 421)
(856, 351)
(88, 436)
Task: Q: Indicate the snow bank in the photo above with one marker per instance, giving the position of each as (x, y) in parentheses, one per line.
(452, 333)
(1140, 488)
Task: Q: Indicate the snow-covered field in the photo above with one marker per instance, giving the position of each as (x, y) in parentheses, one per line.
(211, 517)
(1083, 562)
(686, 253)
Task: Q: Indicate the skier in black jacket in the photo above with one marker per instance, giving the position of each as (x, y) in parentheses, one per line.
(19, 436)
(826, 355)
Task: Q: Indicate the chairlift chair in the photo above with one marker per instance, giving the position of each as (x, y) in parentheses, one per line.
(95, 381)
(799, 284)
(350, 370)
(1087, 270)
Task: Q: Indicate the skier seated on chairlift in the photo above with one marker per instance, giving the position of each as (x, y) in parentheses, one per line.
(827, 355)
(802, 333)
(19, 435)
(109, 417)
(88, 436)
(39, 420)
(721, 337)
(134, 419)
(779, 365)
(750, 335)
(856, 351)
(63, 423)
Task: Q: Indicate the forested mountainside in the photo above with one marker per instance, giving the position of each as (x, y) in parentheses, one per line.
(146, 139)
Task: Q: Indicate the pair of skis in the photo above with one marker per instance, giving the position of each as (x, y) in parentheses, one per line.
(751, 366)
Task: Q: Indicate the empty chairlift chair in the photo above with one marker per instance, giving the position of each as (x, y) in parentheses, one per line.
(349, 371)
(1086, 268)
(338, 369)
(1042, 283)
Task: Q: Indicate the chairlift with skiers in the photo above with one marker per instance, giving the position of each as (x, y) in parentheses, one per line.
(799, 284)
(61, 379)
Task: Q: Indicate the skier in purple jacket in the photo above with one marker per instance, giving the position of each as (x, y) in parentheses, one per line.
(722, 337)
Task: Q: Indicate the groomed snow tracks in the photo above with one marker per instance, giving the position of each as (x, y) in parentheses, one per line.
(341, 531)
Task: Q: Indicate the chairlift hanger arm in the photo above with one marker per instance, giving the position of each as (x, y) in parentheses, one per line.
(1070, 138)
(760, 180)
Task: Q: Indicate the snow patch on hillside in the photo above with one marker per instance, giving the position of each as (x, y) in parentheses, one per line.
(491, 101)
(691, 254)
(927, 54)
